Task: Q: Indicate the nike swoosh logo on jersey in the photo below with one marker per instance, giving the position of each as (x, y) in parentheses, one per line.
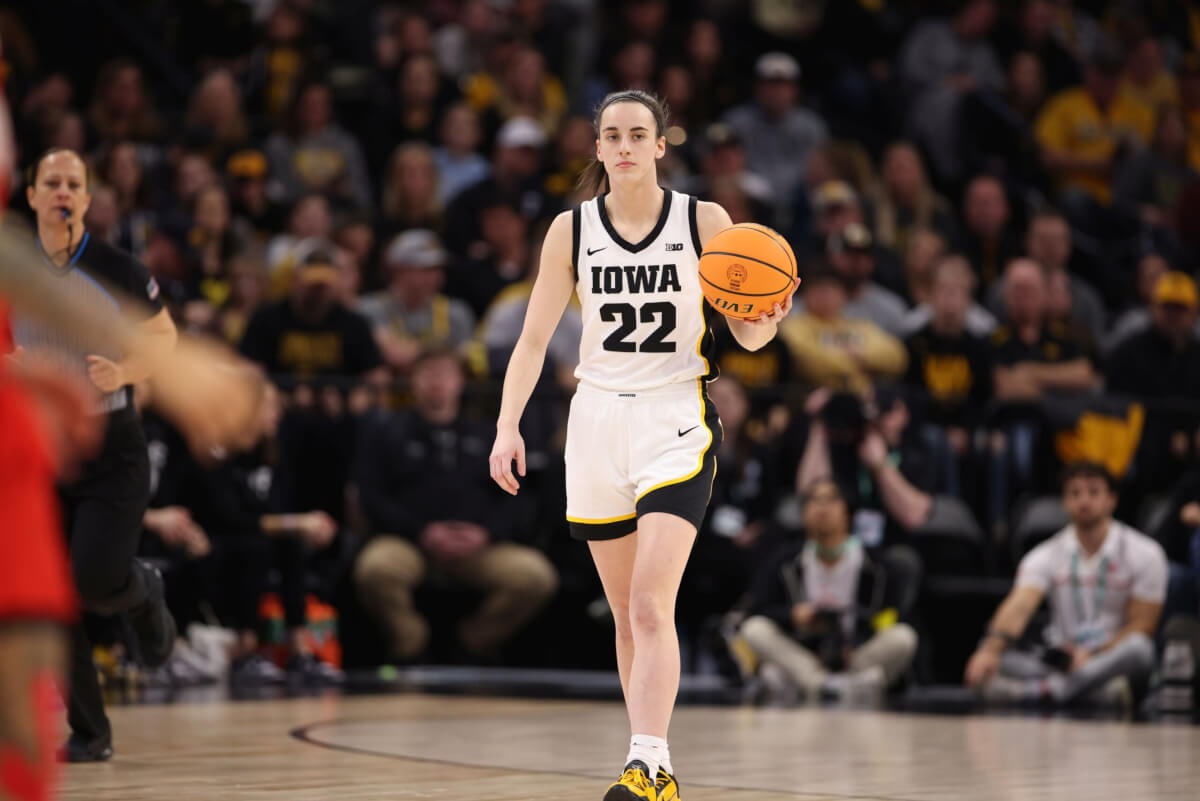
(684, 433)
(597, 250)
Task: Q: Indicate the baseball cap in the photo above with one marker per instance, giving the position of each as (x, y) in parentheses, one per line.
(317, 268)
(719, 134)
(835, 193)
(776, 66)
(419, 248)
(249, 163)
(1177, 288)
(855, 236)
(521, 132)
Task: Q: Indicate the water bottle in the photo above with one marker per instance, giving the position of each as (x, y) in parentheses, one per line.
(1176, 702)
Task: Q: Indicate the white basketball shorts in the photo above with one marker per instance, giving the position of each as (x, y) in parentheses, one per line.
(632, 453)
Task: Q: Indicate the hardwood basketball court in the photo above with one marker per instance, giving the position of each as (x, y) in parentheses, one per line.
(453, 748)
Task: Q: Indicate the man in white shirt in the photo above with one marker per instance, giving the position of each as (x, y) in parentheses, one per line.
(1105, 583)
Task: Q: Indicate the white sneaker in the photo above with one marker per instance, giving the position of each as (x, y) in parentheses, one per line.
(865, 686)
(779, 685)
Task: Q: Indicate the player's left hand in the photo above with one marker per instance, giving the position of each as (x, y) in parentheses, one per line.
(777, 313)
(108, 376)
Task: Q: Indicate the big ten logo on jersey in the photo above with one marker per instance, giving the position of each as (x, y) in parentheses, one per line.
(635, 279)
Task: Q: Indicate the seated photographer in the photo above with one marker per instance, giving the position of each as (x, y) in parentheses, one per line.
(1105, 584)
(823, 613)
(871, 447)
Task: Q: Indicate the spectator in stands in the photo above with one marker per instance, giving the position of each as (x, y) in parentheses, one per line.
(1189, 101)
(1032, 34)
(715, 82)
(1163, 361)
(832, 349)
(1032, 356)
(998, 127)
(1179, 534)
(498, 260)
(1105, 584)
(409, 195)
(215, 112)
(315, 154)
(524, 89)
(246, 171)
(501, 327)
(1150, 267)
(941, 62)
(120, 108)
(905, 202)
(851, 253)
(417, 107)
(1083, 133)
(411, 314)
(869, 444)
(924, 266)
(121, 169)
(310, 224)
(247, 291)
(778, 134)
(739, 531)
(1048, 242)
(947, 361)
(462, 44)
(1147, 81)
(990, 240)
(433, 509)
(310, 334)
(576, 148)
(457, 161)
(516, 170)
(1151, 181)
(724, 157)
(822, 616)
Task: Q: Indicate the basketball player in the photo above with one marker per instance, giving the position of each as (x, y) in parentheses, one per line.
(103, 507)
(642, 435)
(37, 601)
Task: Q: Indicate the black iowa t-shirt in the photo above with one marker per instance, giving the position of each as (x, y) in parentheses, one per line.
(108, 280)
(339, 345)
(1055, 344)
(954, 372)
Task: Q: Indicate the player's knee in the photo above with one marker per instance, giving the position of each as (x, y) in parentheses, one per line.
(649, 614)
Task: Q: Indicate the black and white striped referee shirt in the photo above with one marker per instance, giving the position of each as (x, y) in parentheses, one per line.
(107, 279)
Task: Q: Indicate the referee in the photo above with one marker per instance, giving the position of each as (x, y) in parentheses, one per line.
(103, 507)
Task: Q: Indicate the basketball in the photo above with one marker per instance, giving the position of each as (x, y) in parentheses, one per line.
(746, 269)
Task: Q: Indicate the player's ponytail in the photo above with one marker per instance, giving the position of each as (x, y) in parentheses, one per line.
(594, 178)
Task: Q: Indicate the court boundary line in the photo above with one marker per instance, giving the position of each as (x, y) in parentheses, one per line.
(303, 734)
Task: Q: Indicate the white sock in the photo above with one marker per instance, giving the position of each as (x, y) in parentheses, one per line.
(650, 750)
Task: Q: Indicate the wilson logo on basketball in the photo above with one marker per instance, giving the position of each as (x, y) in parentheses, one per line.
(736, 273)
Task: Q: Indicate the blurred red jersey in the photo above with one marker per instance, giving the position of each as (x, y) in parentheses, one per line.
(35, 580)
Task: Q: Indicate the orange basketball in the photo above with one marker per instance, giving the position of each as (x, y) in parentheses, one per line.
(746, 269)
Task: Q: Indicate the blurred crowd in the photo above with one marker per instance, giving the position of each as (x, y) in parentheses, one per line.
(994, 206)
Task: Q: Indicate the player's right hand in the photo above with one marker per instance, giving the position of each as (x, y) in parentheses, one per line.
(509, 446)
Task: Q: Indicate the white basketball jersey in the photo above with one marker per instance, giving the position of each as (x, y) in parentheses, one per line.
(644, 323)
